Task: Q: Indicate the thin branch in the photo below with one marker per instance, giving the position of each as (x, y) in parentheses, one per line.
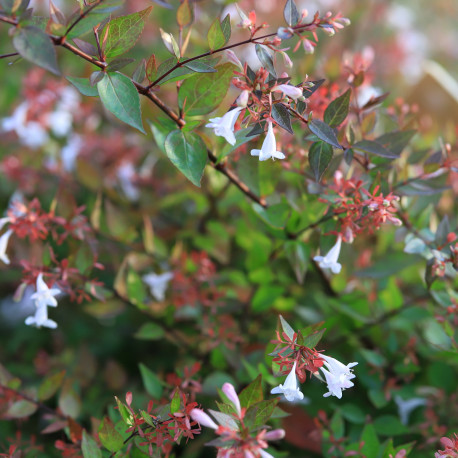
(11, 54)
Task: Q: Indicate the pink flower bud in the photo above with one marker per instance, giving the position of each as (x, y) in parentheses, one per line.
(242, 99)
(329, 31)
(308, 47)
(203, 419)
(229, 391)
(275, 435)
(231, 57)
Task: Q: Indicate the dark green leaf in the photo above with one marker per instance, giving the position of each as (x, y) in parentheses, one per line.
(150, 331)
(308, 91)
(288, 330)
(151, 382)
(35, 46)
(320, 156)
(109, 437)
(282, 117)
(324, 132)
(252, 393)
(298, 254)
(119, 63)
(265, 296)
(84, 86)
(140, 72)
(119, 95)
(395, 142)
(226, 28)
(369, 146)
(258, 129)
(205, 92)
(261, 412)
(312, 340)
(124, 32)
(265, 59)
(337, 110)
(276, 215)
(188, 153)
(241, 137)
(89, 447)
(442, 231)
(290, 13)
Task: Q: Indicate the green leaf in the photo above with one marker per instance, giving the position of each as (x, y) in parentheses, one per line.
(369, 146)
(320, 156)
(188, 154)
(89, 447)
(226, 28)
(266, 59)
(184, 14)
(371, 443)
(119, 95)
(252, 393)
(123, 32)
(312, 340)
(92, 19)
(282, 117)
(337, 425)
(389, 425)
(176, 402)
(288, 330)
(395, 142)
(276, 215)
(200, 67)
(109, 437)
(124, 412)
(84, 86)
(265, 296)
(136, 290)
(50, 385)
(206, 91)
(35, 46)
(69, 401)
(215, 35)
(21, 409)
(337, 110)
(290, 13)
(150, 331)
(324, 132)
(258, 414)
(241, 137)
(298, 255)
(151, 382)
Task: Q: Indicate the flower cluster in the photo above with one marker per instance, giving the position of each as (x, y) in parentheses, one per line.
(235, 439)
(292, 355)
(450, 445)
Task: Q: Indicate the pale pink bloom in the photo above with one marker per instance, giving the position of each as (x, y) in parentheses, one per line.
(203, 419)
(291, 91)
(229, 391)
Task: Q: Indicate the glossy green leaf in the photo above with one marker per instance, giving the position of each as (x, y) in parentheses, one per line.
(124, 32)
(266, 59)
(337, 111)
(324, 132)
(370, 146)
(188, 153)
(151, 382)
(320, 156)
(288, 330)
(282, 117)
(84, 86)
(205, 92)
(35, 46)
(395, 142)
(120, 97)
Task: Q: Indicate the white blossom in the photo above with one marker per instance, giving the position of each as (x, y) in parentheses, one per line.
(41, 318)
(406, 407)
(269, 147)
(44, 295)
(290, 389)
(126, 174)
(224, 126)
(4, 245)
(203, 419)
(291, 91)
(330, 260)
(337, 376)
(158, 284)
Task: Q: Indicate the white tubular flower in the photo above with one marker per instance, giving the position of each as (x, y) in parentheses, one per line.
(203, 419)
(291, 91)
(265, 454)
(44, 296)
(224, 126)
(405, 408)
(229, 391)
(269, 147)
(337, 376)
(158, 284)
(41, 319)
(290, 389)
(4, 245)
(330, 260)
